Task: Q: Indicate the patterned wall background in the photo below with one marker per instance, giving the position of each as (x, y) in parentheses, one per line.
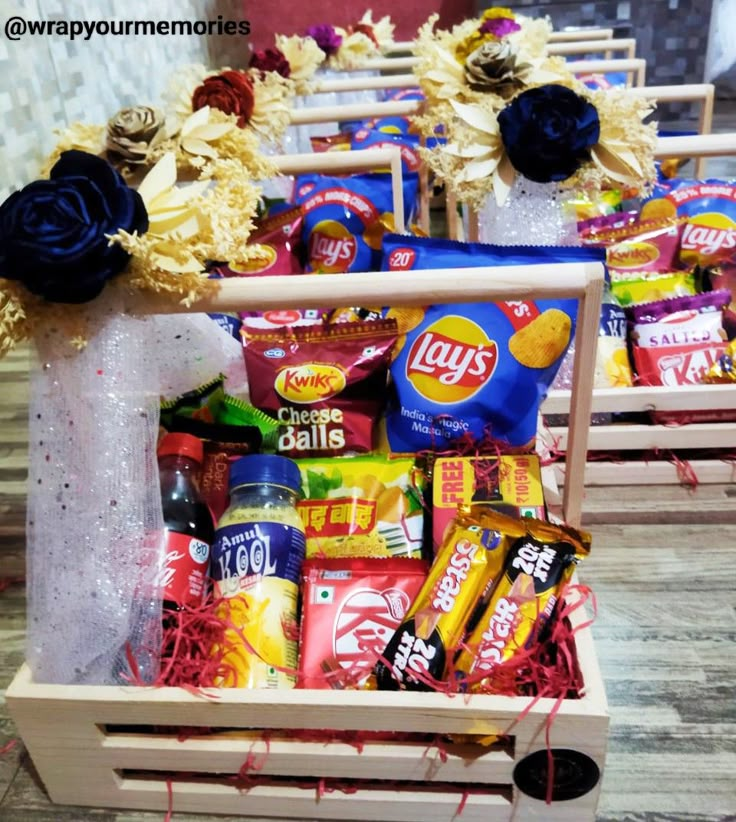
(672, 35)
(47, 82)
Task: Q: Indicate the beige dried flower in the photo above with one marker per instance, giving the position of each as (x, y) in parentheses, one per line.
(132, 132)
(495, 66)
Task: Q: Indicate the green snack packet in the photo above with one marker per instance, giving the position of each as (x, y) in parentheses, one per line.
(235, 412)
(203, 403)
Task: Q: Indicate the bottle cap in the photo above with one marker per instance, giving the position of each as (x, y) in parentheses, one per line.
(271, 468)
(186, 445)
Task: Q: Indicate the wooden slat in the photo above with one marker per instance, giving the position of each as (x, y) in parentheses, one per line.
(567, 35)
(354, 111)
(649, 398)
(626, 45)
(635, 67)
(418, 761)
(646, 437)
(342, 84)
(401, 288)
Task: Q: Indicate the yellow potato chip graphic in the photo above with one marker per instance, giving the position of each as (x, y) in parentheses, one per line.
(543, 340)
(655, 209)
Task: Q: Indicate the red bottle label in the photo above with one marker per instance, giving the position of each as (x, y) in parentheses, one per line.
(184, 573)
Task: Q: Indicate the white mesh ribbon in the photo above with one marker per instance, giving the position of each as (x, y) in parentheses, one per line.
(95, 525)
(532, 214)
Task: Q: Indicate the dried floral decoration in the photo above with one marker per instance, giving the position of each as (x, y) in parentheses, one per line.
(506, 109)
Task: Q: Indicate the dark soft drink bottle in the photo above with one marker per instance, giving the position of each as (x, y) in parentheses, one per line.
(189, 526)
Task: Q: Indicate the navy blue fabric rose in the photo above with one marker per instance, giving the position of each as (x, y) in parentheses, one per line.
(52, 232)
(547, 132)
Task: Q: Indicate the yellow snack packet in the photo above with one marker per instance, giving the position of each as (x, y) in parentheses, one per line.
(469, 561)
(540, 560)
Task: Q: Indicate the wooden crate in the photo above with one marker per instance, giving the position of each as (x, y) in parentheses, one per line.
(77, 739)
(97, 746)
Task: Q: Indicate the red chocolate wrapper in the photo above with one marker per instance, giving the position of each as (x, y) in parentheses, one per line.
(675, 342)
(280, 237)
(350, 610)
(325, 385)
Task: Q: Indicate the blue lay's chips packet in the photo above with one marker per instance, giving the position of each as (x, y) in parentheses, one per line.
(345, 219)
(612, 79)
(395, 124)
(479, 368)
(408, 144)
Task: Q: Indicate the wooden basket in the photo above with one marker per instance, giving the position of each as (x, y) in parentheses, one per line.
(105, 746)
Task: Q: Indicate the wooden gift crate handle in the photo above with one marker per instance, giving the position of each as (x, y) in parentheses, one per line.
(608, 47)
(448, 285)
(635, 68)
(369, 159)
(556, 37)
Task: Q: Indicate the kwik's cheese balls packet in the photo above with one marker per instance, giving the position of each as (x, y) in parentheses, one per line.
(467, 565)
(465, 369)
(326, 386)
(368, 506)
(540, 560)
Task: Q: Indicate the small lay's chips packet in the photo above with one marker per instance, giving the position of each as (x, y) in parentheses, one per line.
(709, 206)
(612, 366)
(475, 368)
(408, 144)
(350, 610)
(362, 506)
(325, 385)
(344, 219)
(279, 236)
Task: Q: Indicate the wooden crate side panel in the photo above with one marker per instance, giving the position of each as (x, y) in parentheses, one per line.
(281, 801)
(36, 705)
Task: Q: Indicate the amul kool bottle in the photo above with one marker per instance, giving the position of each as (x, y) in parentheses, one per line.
(188, 522)
(256, 562)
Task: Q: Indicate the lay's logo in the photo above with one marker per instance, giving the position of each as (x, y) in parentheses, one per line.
(708, 236)
(332, 248)
(310, 382)
(451, 360)
(631, 255)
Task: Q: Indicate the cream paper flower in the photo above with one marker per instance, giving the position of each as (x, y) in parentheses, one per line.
(483, 150)
(198, 133)
(383, 29)
(354, 50)
(173, 215)
(304, 56)
(178, 93)
(532, 38)
(272, 95)
(616, 155)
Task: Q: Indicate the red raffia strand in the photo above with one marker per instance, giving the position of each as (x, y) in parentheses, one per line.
(8, 746)
(6, 582)
(170, 793)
